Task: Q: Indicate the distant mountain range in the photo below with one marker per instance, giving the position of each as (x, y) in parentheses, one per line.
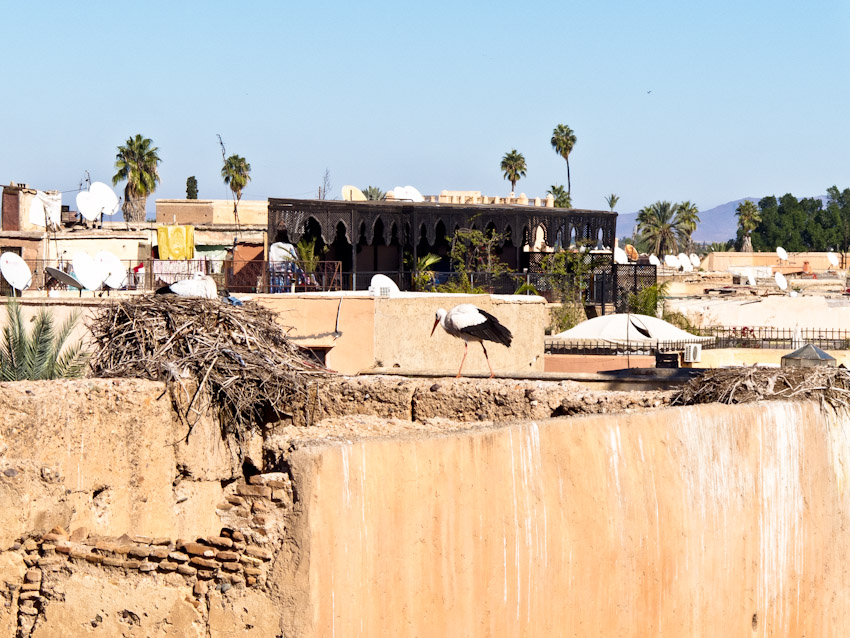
(716, 224)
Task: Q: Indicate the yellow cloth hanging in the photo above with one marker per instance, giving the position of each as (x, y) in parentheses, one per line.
(176, 242)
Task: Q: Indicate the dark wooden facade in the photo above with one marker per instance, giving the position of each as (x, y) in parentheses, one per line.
(419, 227)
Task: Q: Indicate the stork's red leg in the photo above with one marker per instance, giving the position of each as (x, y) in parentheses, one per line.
(465, 350)
(488, 360)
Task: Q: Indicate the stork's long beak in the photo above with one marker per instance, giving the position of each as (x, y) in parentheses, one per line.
(436, 321)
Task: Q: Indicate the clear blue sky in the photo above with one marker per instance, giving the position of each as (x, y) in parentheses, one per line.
(747, 98)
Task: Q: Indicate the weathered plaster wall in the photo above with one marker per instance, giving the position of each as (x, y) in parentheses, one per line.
(705, 521)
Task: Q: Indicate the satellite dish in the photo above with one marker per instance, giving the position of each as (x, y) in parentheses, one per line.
(382, 286)
(87, 205)
(631, 252)
(104, 197)
(671, 261)
(116, 272)
(781, 253)
(16, 271)
(620, 256)
(685, 262)
(353, 194)
(654, 260)
(694, 260)
(63, 278)
(781, 281)
(87, 271)
(751, 280)
(413, 194)
(833, 259)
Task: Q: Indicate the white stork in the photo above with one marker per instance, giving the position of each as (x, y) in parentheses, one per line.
(472, 324)
(200, 285)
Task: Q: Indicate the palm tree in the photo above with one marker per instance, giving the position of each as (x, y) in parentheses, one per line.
(659, 229)
(513, 165)
(236, 173)
(39, 354)
(612, 200)
(373, 193)
(137, 162)
(563, 140)
(562, 197)
(687, 214)
(749, 217)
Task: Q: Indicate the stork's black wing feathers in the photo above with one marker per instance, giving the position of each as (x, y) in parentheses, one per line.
(490, 330)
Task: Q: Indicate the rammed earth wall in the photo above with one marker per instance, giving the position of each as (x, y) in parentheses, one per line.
(710, 520)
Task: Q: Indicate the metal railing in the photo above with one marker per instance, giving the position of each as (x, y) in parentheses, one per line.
(768, 337)
(601, 347)
(236, 276)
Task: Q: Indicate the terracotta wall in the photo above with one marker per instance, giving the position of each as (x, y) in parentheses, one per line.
(723, 261)
(211, 211)
(703, 521)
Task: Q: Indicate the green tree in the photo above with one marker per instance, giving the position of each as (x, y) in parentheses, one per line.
(474, 259)
(569, 277)
(838, 207)
(612, 200)
(41, 353)
(562, 197)
(513, 165)
(749, 217)
(138, 163)
(423, 276)
(192, 188)
(659, 230)
(719, 247)
(687, 215)
(236, 173)
(309, 254)
(563, 140)
(373, 193)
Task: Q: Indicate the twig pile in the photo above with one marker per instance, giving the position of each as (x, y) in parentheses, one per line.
(745, 385)
(236, 358)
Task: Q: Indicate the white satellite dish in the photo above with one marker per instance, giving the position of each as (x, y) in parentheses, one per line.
(16, 271)
(620, 256)
(382, 286)
(63, 278)
(116, 272)
(413, 194)
(105, 198)
(87, 205)
(87, 271)
(781, 281)
(352, 194)
(671, 261)
(654, 260)
(781, 253)
(685, 262)
(751, 280)
(694, 260)
(833, 259)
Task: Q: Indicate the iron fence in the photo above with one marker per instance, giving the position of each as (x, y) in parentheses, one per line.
(771, 338)
(236, 276)
(601, 347)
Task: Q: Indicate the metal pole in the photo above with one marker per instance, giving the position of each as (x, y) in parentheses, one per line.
(353, 252)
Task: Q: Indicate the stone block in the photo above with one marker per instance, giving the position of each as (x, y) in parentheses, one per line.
(186, 570)
(197, 549)
(178, 557)
(260, 491)
(147, 567)
(231, 567)
(168, 566)
(33, 576)
(258, 552)
(132, 564)
(220, 541)
(159, 553)
(203, 563)
(235, 500)
(237, 536)
(95, 559)
(253, 571)
(227, 556)
(110, 561)
(139, 552)
(31, 587)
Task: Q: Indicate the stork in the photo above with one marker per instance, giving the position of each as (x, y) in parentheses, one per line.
(472, 324)
(200, 285)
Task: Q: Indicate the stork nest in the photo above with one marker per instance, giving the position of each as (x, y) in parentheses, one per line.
(236, 359)
(745, 385)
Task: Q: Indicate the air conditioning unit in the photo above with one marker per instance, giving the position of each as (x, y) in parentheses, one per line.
(693, 353)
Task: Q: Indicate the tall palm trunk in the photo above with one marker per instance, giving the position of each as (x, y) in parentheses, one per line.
(569, 192)
(134, 207)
